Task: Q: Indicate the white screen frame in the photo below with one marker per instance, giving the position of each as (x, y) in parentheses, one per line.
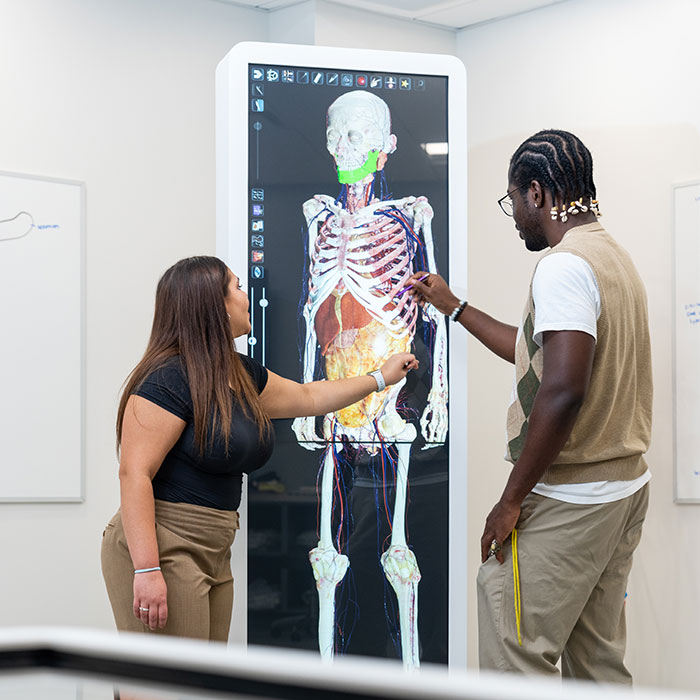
(232, 113)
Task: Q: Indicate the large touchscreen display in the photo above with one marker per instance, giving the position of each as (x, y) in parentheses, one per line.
(348, 197)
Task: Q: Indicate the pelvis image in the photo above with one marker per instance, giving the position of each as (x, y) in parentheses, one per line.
(363, 245)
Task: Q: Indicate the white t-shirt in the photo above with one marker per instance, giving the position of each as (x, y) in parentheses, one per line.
(566, 297)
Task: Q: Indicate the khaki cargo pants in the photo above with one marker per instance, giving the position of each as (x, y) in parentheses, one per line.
(574, 562)
(194, 543)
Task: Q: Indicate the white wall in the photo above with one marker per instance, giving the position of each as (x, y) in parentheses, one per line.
(327, 24)
(621, 74)
(293, 25)
(121, 96)
(339, 25)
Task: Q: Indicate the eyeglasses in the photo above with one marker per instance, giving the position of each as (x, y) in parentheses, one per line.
(506, 203)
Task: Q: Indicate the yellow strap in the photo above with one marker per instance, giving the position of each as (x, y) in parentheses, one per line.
(516, 584)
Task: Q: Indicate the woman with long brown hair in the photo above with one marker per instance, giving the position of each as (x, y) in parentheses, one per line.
(194, 417)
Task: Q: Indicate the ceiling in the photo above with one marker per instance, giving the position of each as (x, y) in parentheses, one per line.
(450, 14)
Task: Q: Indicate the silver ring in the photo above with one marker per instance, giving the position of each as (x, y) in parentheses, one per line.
(143, 609)
(493, 549)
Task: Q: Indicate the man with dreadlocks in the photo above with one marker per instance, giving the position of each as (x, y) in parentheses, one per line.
(557, 547)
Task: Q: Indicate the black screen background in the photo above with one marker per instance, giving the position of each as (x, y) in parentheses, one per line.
(289, 161)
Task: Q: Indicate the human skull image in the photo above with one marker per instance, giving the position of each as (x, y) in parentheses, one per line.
(358, 130)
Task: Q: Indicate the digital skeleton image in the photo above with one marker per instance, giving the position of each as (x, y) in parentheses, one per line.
(362, 248)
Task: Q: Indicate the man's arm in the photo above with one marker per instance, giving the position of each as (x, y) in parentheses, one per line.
(566, 373)
(496, 336)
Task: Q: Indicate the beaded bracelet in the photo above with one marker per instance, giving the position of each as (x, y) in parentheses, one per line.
(145, 571)
(458, 310)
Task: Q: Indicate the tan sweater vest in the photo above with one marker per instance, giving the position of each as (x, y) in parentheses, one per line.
(613, 428)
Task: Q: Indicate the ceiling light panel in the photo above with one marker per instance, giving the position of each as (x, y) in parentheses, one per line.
(414, 7)
(476, 11)
(262, 4)
(451, 14)
(404, 9)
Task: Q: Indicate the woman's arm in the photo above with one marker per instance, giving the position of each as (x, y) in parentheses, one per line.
(148, 434)
(284, 398)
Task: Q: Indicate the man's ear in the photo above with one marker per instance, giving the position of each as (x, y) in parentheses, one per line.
(381, 160)
(536, 194)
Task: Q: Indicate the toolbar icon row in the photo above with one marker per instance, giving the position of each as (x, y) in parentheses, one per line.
(332, 78)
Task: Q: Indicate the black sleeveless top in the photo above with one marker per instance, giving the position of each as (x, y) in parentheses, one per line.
(212, 479)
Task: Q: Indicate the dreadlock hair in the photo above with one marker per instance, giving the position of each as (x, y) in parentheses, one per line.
(559, 161)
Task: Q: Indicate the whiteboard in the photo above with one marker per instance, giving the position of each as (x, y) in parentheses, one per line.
(686, 314)
(41, 338)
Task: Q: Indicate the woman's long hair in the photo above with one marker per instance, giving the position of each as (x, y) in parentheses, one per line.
(190, 320)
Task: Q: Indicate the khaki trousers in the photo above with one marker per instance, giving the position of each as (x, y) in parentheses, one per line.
(574, 562)
(194, 544)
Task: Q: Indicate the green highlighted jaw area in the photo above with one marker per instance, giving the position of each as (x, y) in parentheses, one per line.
(350, 177)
